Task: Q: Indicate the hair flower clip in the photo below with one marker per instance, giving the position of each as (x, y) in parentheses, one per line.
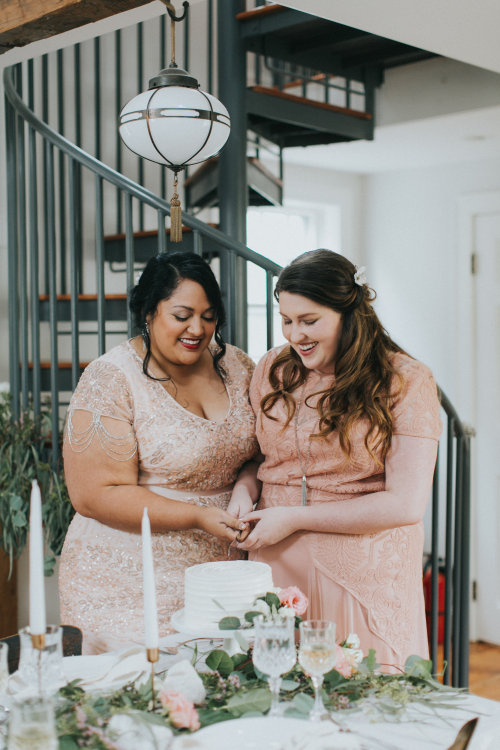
(360, 276)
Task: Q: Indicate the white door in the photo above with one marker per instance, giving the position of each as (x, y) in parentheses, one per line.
(487, 423)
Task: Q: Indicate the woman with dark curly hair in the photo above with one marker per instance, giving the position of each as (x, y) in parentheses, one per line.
(348, 425)
(161, 421)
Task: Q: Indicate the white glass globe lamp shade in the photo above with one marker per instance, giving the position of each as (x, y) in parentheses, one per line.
(174, 123)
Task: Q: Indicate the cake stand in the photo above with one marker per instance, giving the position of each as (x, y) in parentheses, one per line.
(230, 642)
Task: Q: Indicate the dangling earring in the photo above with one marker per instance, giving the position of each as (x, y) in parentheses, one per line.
(145, 335)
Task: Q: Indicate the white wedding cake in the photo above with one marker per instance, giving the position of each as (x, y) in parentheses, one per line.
(234, 584)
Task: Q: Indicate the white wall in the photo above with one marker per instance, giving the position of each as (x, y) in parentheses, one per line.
(410, 226)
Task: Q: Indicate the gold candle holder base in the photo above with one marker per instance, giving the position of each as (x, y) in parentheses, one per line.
(38, 641)
(153, 654)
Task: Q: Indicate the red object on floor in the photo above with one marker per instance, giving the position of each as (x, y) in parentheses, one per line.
(427, 599)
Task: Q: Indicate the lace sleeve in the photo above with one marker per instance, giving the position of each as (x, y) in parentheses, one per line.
(416, 411)
(101, 413)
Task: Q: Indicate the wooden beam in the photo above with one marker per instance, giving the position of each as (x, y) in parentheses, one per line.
(26, 21)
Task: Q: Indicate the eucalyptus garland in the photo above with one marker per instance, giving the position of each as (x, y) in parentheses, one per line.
(234, 688)
(26, 454)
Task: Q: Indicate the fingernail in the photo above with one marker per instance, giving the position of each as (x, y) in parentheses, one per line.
(242, 526)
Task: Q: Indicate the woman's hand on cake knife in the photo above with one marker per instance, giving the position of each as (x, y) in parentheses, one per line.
(271, 525)
(220, 523)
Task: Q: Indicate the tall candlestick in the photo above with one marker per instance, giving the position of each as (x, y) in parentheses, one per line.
(150, 614)
(37, 585)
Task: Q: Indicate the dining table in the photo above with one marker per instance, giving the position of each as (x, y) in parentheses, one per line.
(429, 726)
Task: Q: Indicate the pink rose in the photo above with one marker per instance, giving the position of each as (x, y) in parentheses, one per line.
(294, 598)
(182, 712)
(342, 663)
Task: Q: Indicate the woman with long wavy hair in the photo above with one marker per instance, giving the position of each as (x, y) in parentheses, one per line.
(348, 425)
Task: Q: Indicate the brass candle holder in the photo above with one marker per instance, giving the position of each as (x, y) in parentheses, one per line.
(153, 654)
(38, 643)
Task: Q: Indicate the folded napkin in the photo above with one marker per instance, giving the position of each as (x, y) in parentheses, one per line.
(104, 671)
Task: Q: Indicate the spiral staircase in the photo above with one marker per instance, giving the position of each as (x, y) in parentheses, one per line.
(79, 229)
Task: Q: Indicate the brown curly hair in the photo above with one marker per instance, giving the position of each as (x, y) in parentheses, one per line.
(366, 381)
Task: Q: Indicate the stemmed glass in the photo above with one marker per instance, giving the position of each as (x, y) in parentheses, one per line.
(274, 652)
(317, 653)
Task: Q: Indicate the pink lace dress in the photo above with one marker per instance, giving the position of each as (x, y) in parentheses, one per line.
(181, 456)
(367, 584)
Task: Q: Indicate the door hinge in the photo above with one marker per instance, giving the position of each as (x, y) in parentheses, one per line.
(474, 591)
(473, 263)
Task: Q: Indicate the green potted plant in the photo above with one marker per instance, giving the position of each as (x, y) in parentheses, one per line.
(25, 454)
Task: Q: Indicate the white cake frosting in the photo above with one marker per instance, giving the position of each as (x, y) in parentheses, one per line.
(234, 584)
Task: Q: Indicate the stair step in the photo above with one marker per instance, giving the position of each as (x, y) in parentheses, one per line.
(115, 307)
(63, 375)
(145, 245)
(322, 45)
(290, 120)
(264, 188)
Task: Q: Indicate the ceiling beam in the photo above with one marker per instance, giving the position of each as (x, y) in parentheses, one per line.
(26, 21)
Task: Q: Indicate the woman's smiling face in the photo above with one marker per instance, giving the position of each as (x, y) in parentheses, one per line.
(313, 330)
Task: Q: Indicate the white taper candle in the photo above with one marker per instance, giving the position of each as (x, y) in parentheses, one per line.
(37, 583)
(150, 614)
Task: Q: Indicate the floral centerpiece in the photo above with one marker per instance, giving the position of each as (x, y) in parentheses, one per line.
(215, 687)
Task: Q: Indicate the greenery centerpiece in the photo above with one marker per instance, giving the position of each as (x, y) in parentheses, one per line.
(216, 687)
(26, 454)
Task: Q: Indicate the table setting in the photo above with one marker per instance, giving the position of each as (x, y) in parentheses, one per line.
(255, 677)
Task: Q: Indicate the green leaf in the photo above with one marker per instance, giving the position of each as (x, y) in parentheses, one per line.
(258, 700)
(19, 520)
(229, 623)
(67, 742)
(302, 703)
(16, 502)
(250, 616)
(288, 685)
(49, 564)
(272, 600)
(220, 662)
(418, 667)
(239, 659)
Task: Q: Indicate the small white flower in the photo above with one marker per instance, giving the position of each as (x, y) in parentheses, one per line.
(352, 641)
(133, 733)
(261, 606)
(183, 678)
(360, 276)
(286, 611)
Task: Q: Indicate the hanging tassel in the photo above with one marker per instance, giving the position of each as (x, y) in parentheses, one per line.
(175, 216)
(304, 490)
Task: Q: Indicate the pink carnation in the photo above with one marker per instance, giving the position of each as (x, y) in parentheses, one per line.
(294, 598)
(182, 712)
(342, 663)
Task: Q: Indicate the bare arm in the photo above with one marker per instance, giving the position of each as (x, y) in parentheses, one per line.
(246, 490)
(104, 488)
(409, 470)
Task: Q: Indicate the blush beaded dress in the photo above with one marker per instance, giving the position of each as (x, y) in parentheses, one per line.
(181, 456)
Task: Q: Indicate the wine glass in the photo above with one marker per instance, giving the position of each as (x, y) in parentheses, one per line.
(32, 725)
(317, 653)
(274, 652)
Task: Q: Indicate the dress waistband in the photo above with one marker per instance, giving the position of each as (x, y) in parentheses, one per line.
(185, 495)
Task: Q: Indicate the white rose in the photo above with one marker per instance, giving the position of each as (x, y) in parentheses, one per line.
(261, 606)
(352, 641)
(286, 611)
(183, 678)
(133, 733)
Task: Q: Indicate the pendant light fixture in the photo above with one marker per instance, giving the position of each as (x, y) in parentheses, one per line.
(174, 123)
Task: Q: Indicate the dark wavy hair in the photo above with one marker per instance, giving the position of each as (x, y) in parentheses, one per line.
(365, 382)
(160, 278)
